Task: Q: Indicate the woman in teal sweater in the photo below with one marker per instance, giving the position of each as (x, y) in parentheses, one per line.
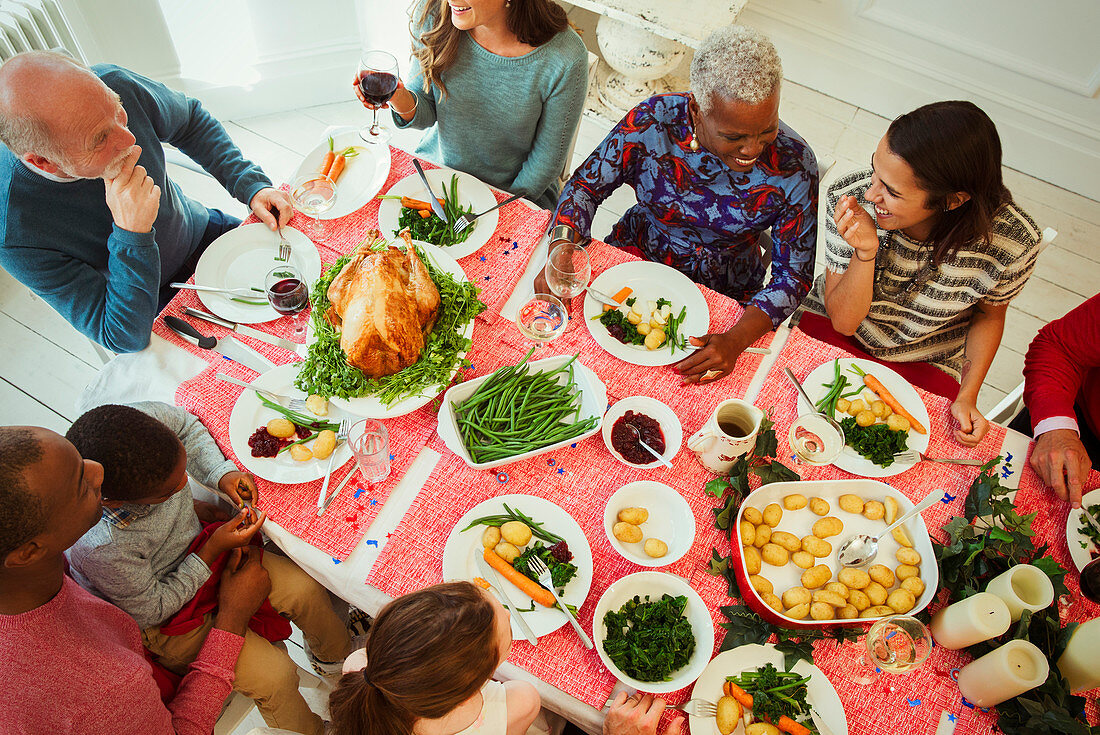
(500, 85)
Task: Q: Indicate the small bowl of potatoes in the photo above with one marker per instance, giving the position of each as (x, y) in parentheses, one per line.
(649, 523)
(789, 533)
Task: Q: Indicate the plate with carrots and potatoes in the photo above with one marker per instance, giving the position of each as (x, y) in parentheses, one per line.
(500, 521)
(358, 169)
(869, 383)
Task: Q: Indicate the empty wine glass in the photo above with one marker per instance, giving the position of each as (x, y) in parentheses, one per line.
(378, 77)
(568, 270)
(313, 195)
(896, 644)
(542, 318)
(288, 294)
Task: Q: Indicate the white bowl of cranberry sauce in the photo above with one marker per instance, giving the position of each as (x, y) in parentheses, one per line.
(657, 426)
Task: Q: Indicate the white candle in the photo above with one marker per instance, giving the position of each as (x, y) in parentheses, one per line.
(1023, 587)
(1003, 673)
(973, 620)
(1080, 664)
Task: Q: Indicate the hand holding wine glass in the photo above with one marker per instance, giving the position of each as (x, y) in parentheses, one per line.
(377, 81)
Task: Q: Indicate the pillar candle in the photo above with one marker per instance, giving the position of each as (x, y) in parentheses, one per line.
(1023, 587)
(1003, 673)
(1080, 664)
(975, 619)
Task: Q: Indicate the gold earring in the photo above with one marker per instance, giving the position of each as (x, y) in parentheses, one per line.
(693, 144)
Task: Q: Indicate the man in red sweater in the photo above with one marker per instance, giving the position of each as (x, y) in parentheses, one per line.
(1062, 395)
(71, 663)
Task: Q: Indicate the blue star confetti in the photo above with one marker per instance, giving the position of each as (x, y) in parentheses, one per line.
(373, 501)
(359, 491)
(372, 542)
(952, 718)
(514, 244)
(573, 445)
(487, 278)
(393, 457)
(912, 702)
(335, 560)
(1008, 457)
(561, 471)
(482, 258)
(947, 498)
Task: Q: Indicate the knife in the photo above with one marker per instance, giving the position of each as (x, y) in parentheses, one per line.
(247, 331)
(1091, 521)
(603, 298)
(227, 346)
(498, 582)
(436, 206)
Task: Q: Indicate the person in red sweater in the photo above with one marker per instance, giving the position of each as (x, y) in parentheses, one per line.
(71, 663)
(1062, 396)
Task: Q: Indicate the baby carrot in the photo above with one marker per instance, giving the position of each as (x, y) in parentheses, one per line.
(786, 724)
(424, 213)
(411, 203)
(528, 586)
(623, 293)
(888, 398)
(340, 162)
(326, 162)
(481, 582)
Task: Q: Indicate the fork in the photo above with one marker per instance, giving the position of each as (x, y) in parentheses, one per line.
(698, 708)
(468, 219)
(538, 566)
(294, 404)
(341, 435)
(284, 247)
(911, 455)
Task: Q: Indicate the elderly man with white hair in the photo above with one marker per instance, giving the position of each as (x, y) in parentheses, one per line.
(712, 169)
(89, 219)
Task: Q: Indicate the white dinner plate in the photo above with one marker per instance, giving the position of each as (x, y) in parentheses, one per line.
(241, 258)
(363, 177)
(820, 694)
(249, 414)
(1081, 555)
(462, 548)
(370, 407)
(472, 194)
(650, 282)
(850, 460)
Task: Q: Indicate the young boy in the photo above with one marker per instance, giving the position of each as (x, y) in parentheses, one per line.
(137, 555)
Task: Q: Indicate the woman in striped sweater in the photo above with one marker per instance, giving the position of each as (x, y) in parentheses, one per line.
(925, 251)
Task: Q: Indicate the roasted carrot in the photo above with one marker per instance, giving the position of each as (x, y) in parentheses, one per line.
(786, 724)
(481, 582)
(623, 293)
(424, 213)
(326, 162)
(340, 162)
(888, 398)
(528, 586)
(410, 203)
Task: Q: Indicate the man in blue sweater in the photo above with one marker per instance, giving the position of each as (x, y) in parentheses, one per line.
(89, 219)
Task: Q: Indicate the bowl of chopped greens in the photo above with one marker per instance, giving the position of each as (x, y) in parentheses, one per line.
(1081, 538)
(653, 632)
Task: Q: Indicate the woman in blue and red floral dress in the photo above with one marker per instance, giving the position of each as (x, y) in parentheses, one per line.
(713, 169)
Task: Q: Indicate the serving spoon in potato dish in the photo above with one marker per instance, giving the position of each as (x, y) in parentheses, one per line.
(861, 548)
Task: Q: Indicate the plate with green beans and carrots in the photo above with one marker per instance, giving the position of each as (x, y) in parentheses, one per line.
(880, 412)
(546, 531)
(407, 204)
(359, 170)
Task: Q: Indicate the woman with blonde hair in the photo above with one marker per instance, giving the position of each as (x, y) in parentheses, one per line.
(499, 85)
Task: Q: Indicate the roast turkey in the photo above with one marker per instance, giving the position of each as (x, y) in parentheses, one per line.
(384, 305)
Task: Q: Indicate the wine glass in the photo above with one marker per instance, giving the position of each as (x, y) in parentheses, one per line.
(896, 644)
(543, 318)
(287, 293)
(313, 195)
(568, 270)
(378, 77)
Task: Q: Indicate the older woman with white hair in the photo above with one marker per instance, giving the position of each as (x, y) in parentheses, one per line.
(713, 170)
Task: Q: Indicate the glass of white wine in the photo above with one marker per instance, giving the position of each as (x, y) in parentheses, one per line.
(313, 195)
(568, 270)
(898, 644)
(543, 318)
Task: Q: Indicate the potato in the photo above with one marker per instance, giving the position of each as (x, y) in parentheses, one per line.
(828, 526)
(881, 574)
(748, 533)
(490, 537)
(803, 559)
(880, 409)
(644, 329)
(838, 588)
(873, 510)
(853, 578)
(317, 405)
(788, 541)
(798, 612)
(905, 571)
(859, 600)
(901, 601)
(762, 728)
(876, 593)
(829, 598)
(773, 514)
(774, 554)
(794, 502)
(856, 406)
(865, 418)
(628, 533)
(908, 556)
(914, 585)
(817, 546)
(752, 559)
(891, 510)
(654, 339)
(280, 428)
(761, 584)
(324, 444)
(506, 551)
(655, 548)
(516, 532)
(637, 516)
(796, 596)
(842, 405)
(816, 576)
(772, 600)
(877, 611)
(822, 611)
(901, 535)
(728, 715)
(301, 453)
(752, 515)
(634, 317)
(819, 506)
(763, 535)
(850, 503)
(897, 422)
(847, 613)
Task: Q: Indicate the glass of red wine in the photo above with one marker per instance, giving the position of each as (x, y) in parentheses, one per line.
(287, 293)
(377, 81)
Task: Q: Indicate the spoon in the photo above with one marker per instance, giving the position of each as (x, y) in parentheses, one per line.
(813, 408)
(861, 548)
(651, 450)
